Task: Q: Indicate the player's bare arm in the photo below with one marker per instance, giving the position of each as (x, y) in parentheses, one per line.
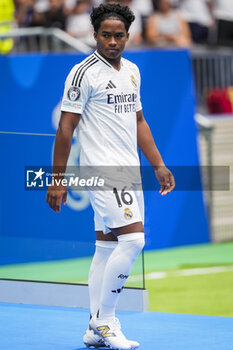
(57, 194)
(148, 147)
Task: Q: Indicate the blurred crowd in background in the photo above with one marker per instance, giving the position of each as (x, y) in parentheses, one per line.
(180, 23)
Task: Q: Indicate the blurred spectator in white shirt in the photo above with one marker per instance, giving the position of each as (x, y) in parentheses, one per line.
(136, 28)
(42, 5)
(223, 12)
(70, 5)
(78, 24)
(198, 15)
(144, 7)
(167, 27)
(96, 3)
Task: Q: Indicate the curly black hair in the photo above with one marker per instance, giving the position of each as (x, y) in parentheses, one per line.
(102, 12)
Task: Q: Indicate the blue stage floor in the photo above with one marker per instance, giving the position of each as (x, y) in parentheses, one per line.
(30, 327)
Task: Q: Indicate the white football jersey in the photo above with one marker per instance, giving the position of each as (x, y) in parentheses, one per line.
(107, 100)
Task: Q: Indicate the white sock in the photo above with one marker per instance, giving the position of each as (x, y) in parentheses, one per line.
(117, 270)
(103, 251)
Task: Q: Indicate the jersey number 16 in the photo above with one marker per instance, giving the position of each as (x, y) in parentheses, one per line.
(126, 197)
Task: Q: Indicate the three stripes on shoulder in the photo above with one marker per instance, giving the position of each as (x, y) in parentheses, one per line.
(79, 74)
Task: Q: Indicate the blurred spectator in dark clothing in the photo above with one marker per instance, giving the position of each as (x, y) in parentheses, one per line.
(167, 27)
(112, 1)
(24, 10)
(38, 17)
(223, 12)
(198, 15)
(55, 16)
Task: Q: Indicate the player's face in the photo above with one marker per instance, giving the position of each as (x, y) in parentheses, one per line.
(111, 38)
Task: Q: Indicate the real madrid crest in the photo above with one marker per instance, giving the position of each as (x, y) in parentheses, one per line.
(133, 80)
(128, 214)
(73, 93)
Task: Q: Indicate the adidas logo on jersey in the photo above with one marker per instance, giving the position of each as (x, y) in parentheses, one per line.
(110, 85)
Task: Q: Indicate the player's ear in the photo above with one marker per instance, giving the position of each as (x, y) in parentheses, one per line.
(95, 36)
(127, 36)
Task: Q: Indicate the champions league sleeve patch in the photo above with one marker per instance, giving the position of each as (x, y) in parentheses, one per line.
(73, 93)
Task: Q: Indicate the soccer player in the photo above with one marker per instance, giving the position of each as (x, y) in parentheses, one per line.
(102, 102)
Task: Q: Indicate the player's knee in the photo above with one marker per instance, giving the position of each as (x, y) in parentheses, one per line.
(139, 244)
(135, 241)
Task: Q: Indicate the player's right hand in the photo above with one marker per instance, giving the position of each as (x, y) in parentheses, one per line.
(166, 180)
(55, 196)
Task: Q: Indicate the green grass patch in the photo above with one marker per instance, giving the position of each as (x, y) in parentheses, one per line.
(201, 294)
(209, 294)
(190, 256)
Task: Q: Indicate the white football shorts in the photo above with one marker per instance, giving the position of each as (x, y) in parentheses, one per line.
(116, 208)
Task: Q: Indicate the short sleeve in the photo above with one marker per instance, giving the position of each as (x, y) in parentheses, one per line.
(138, 101)
(75, 97)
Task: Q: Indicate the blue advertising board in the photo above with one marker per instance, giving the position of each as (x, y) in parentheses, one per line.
(31, 89)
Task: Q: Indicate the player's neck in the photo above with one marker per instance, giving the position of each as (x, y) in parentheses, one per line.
(115, 62)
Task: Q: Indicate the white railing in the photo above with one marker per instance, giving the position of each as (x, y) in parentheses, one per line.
(213, 68)
(44, 39)
(206, 128)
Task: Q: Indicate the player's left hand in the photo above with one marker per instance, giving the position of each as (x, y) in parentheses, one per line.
(166, 180)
